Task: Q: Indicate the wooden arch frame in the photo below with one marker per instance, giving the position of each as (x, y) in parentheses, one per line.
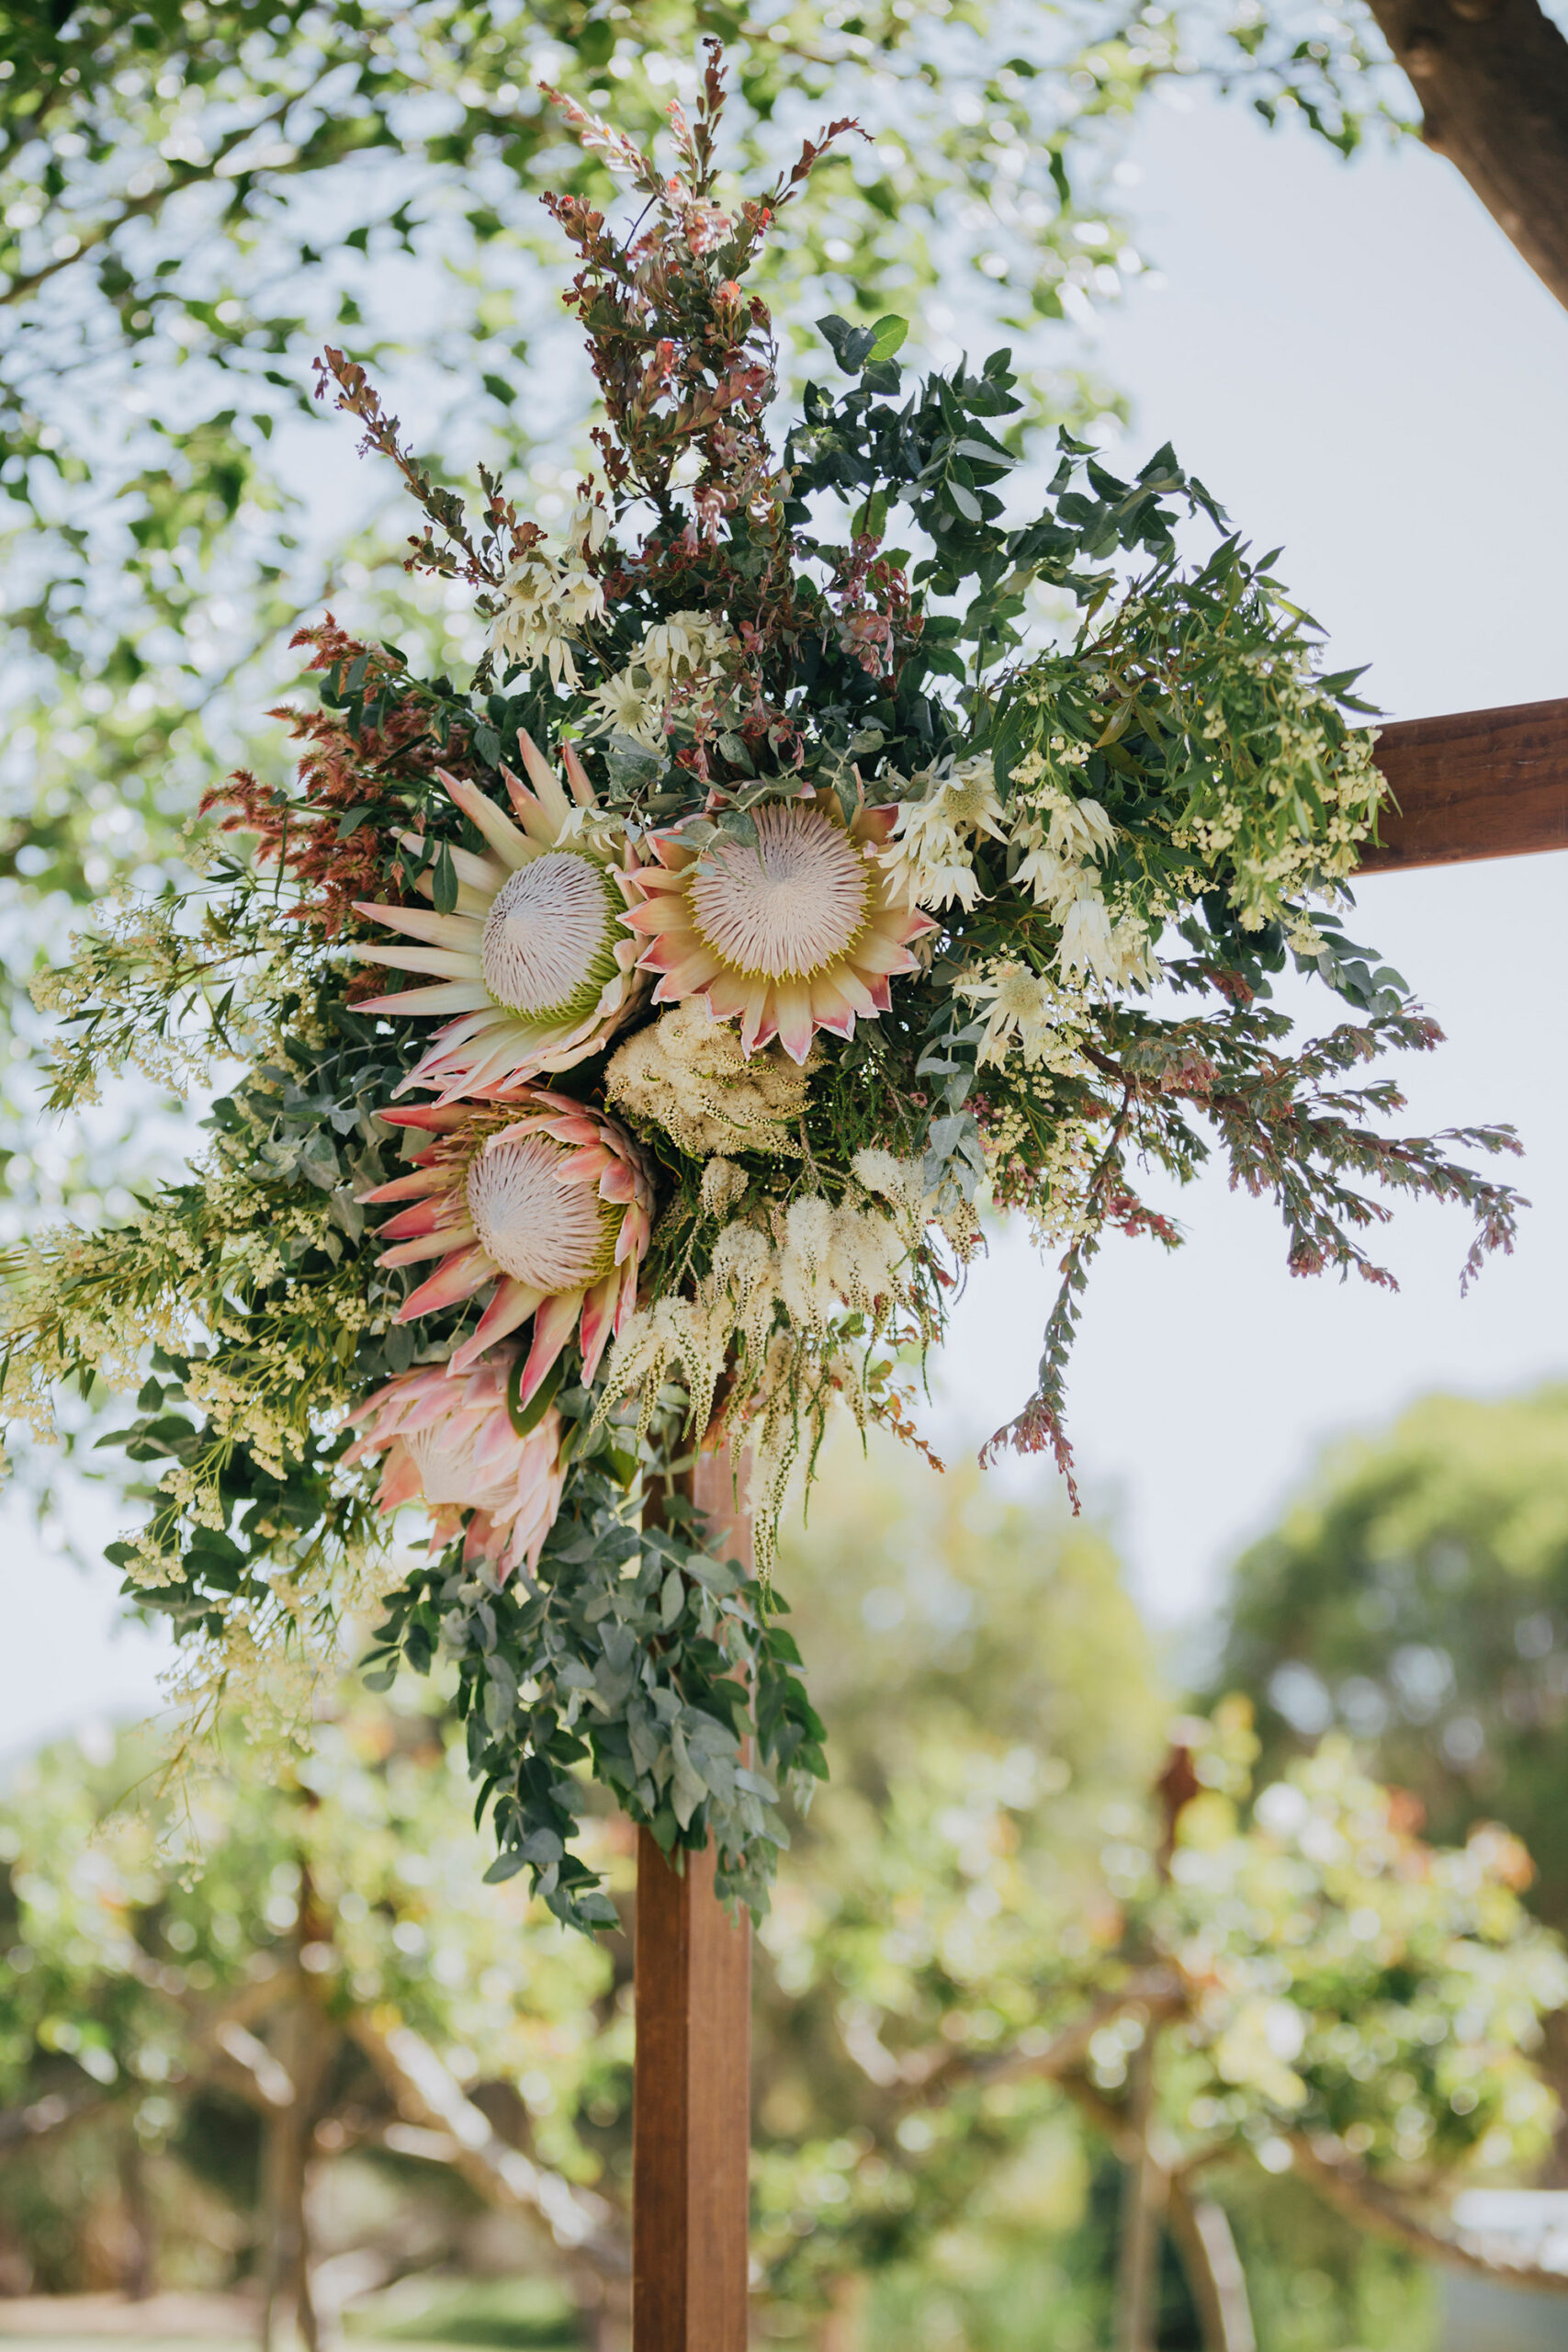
(1475, 784)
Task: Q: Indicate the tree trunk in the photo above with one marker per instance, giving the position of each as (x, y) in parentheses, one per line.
(138, 2272)
(1491, 76)
(288, 2315)
(1145, 2190)
(1209, 2257)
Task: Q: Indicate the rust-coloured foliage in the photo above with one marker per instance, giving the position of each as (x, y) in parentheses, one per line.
(336, 839)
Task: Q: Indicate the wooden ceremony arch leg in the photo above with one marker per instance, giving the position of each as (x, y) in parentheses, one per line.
(692, 2090)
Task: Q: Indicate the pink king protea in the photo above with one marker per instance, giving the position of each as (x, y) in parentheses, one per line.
(546, 1198)
(449, 1444)
(794, 934)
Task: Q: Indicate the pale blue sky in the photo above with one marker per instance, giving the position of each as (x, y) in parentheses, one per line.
(1360, 368)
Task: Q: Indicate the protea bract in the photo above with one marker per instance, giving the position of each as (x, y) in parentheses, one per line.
(450, 1443)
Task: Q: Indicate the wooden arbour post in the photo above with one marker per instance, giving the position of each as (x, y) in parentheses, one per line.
(691, 2084)
(1472, 784)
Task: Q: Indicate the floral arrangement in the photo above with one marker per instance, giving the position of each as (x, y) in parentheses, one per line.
(619, 1051)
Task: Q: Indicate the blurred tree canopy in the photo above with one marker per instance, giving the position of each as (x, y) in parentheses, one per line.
(1032, 1976)
(195, 197)
(1417, 1595)
(1011, 1954)
(195, 194)
(209, 1989)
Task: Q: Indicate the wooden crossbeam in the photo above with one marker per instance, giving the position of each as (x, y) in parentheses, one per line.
(1476, 784)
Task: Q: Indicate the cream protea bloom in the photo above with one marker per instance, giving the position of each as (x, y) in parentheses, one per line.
(450, 1444)
(548, 1200)
(536, 960)
(793, 934)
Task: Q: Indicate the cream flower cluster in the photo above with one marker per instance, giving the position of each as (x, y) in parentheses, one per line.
(690, 1075)
(1036, 1013)
(929, 861)
(1064, 838)
(545, 599)
(676, 656)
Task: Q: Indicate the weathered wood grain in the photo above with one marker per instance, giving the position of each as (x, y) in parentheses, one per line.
(691, 2092)
(1474, 784)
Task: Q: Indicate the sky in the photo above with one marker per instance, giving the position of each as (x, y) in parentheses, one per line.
(1360, 368)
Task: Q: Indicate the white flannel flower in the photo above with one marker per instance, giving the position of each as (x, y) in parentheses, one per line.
(1019, 1005)
(632, 709)
(968, 796)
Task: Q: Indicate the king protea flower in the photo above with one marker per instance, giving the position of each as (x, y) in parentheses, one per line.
(796, 934)
(450, 1444)
(536, 959)
(550, 1201)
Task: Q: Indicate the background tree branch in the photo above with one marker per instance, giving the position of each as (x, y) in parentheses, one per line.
(1372, 2207)
(1491, 76)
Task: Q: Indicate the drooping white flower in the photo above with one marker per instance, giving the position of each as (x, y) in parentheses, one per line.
(928, 863)
(1052, 879)
(680, 645)
(1080, 829)
(589, 526)
(1136, 965)
(1087, 944)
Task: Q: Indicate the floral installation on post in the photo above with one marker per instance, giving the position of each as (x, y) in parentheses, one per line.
(767, 906)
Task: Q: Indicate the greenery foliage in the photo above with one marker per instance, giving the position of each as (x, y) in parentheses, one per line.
(752, 674)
